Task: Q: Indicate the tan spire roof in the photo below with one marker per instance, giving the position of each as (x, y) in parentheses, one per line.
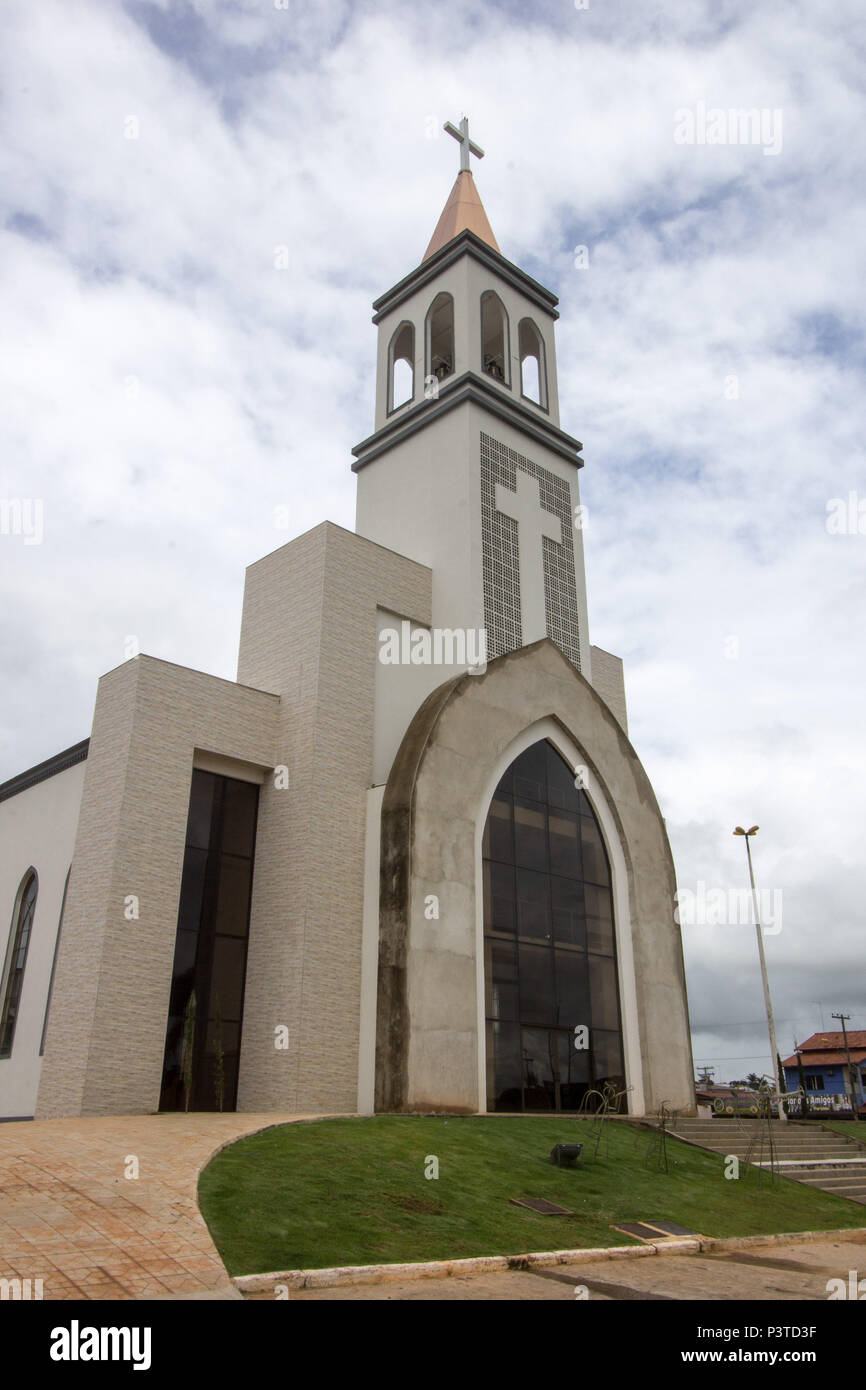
(462, 212)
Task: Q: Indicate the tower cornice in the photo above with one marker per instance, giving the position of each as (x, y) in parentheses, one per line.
(468, 387)
(466, 244)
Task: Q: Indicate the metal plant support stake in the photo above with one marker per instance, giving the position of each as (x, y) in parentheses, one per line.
(606, 1102)
(761, 1152)
(661, 1145)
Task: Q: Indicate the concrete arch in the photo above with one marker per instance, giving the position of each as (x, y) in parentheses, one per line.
(617, 852)
(429, 1054)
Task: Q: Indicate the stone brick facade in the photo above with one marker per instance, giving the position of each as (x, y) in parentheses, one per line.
(309, 632)
(106, 1032)
(305, 702)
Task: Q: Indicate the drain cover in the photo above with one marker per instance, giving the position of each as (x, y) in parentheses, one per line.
(540, 1205)
(637, 1228)
(653, 1230)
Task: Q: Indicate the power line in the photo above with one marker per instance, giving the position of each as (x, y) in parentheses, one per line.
(743, 1023)
(715, 1058)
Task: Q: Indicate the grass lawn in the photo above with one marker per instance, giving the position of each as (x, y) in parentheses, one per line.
(852, 1129)
(353, 1191)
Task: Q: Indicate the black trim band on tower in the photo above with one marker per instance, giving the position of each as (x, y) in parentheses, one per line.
(468, 387)
(467, 243)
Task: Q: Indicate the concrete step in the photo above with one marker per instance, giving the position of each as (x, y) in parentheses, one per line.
(790, 1155)
(794, 1126)
(723, 1133)
(818, 1178)
(818, 1157)
(800, 1135)
(829, 1161)
(737, 1144)
(782, 1131)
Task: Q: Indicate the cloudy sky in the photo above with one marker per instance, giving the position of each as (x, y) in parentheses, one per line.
(166, 387)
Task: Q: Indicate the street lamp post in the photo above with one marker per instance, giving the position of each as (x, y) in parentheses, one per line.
(772, 1027)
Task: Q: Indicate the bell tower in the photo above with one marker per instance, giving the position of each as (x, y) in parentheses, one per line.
(468, 470)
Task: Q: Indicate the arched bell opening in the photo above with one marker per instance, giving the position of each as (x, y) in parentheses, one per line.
(494, 337)
(440, 337)
(401, 367)
(533, 372)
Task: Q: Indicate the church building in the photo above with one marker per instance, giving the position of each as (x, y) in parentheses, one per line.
(409, 859)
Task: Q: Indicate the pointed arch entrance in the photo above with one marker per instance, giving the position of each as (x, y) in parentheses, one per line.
(552, 1011)
(431, 1033)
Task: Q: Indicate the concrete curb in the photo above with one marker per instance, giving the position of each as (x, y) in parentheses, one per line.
(486, 1264)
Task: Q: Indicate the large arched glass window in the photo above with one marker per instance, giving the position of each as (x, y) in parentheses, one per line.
(533, 373)
(16, 958)
(494, 337)
(401, 367)
(440, 337)
(54, 962)
(549, 942)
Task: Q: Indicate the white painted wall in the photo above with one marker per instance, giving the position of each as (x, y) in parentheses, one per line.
(37, 827)
(422, 499)
(401, 689)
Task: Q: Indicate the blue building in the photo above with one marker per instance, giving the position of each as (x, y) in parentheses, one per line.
(828, 1079)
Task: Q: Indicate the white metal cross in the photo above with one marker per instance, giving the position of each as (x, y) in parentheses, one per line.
(533, 522)
(467, 146)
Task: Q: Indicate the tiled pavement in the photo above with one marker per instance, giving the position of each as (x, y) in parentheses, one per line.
(70, 1216)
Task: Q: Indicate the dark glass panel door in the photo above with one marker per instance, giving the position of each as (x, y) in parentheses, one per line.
(203, 1033)
(550, 949)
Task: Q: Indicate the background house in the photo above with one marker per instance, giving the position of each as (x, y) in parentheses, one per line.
(825, 1068)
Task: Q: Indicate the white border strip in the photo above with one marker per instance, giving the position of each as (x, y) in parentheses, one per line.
(484, 1264)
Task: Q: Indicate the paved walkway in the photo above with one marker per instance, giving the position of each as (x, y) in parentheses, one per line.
(70, 1216)
(798, 1272)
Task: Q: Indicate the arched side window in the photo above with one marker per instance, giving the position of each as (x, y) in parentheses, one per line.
(16, 958)
(533, 372)
(440, 337)
(54, 962)
(401, 367)
(494, 338)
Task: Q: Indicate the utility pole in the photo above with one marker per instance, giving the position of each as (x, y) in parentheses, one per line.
(843, 1018)
(801, 1077)
(774, 1051)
